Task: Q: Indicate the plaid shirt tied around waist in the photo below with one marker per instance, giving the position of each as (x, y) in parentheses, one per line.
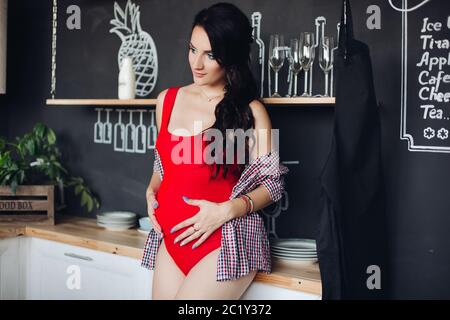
(245, 244)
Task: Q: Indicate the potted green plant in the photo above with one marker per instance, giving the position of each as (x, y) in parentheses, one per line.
(34, 158)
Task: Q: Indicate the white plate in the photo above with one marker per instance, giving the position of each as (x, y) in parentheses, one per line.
(117, 215)
(115, 218)
(294, 244)
(117, 222)
(296, 259)
(281, 249)
(115, 227)
(294, 254)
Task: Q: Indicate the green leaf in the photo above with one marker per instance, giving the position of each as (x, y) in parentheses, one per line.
(51, 137)
(84, 198)
(20, 148)
(4, 159)
(78, 189)
(59, 166)
(21, 175)
(39, 130)
(30, 147)
(90, 204)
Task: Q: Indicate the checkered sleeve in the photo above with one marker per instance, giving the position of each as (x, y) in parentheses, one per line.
(265, 170)
(157, 165)
(151, 247)
(272, 178)
(153, 239)
(245, 243)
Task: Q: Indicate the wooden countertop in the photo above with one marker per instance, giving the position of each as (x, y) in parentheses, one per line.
(84, 232)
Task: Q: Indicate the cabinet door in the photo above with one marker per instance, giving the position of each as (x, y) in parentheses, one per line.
(9, 271)
(262, 291)
(61, 271)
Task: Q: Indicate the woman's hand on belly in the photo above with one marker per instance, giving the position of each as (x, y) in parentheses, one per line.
(209, 218)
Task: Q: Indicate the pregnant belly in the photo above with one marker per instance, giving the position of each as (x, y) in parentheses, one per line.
(173, 209)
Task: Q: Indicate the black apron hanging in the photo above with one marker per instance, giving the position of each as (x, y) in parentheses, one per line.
(352, 233)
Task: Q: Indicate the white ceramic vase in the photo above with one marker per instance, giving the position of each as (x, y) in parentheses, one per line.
(127, 79)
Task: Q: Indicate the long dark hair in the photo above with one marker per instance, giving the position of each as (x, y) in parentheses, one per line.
(230, 34)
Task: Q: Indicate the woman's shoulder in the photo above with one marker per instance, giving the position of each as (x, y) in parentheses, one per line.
(161, 97)
(185, 89)
(257, 106)
(162, 94)
(260, 114)
(159, 106)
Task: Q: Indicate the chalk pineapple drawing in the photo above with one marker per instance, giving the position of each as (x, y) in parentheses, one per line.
(138, 45)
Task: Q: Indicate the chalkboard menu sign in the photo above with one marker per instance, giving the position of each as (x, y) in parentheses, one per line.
(425, 96)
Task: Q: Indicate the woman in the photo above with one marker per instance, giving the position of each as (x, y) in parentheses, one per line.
(208, 240)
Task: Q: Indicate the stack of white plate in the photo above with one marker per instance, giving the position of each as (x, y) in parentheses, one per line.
(117, 220)
(302, 250)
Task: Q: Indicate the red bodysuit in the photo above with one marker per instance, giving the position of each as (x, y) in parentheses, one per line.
(190, 180)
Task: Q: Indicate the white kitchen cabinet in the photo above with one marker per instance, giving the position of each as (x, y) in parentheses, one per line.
(9, 271)
(60, 271)
(35, 268)
(262, 291)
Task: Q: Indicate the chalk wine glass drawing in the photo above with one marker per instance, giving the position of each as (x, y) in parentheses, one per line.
(138, 45)
(276, 58)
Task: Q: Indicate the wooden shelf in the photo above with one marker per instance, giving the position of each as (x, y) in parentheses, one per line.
(152, 102)
(301, 100)
(100, 102)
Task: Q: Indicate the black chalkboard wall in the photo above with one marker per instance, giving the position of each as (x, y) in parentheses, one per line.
(417, 182)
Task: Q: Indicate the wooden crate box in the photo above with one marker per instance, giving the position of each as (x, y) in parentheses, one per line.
(31, 204)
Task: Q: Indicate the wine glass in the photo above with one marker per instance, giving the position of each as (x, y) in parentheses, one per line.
(326, 58)
(276, 58)
(306, 56)
(294, 62)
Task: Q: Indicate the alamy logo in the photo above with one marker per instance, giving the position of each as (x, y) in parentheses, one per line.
(73, 281)
(374, 280)
(74, 20)
(186, 152)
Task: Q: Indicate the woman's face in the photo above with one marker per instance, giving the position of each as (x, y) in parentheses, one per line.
(205, 69)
